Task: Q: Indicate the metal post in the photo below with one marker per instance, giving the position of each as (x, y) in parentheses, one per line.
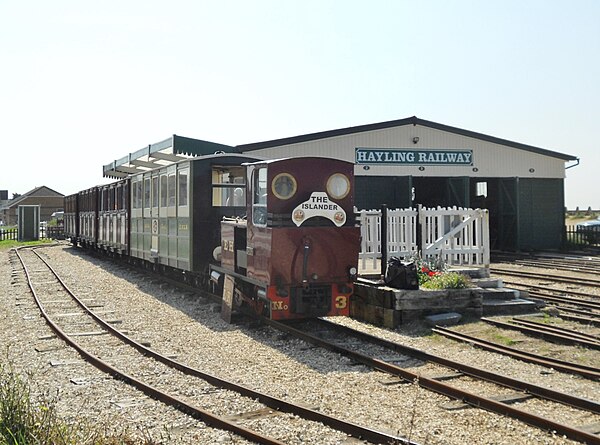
(384, 246)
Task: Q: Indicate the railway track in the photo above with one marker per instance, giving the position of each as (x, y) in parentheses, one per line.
(552, 333)
(503, 404)
(48, 289)
(590, 281)
(585, 264)
(589, 372)
(349, 343)
(572, 304)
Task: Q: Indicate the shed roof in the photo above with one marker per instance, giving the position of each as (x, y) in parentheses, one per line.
(398, 123)
(173, 149)
(41, 191)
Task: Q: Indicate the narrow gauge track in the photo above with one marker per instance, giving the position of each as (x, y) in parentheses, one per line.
(48, 273)
(592, 282)
(500, 406)
(583, 317)
(568, 263)
(589, 372)
(553, 333)
(586, 307)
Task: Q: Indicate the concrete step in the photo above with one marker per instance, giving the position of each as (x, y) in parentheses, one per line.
(472, 272)
(513, 306)
(501, 293)
(487, 283)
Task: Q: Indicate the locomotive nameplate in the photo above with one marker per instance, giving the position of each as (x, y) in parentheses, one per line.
(319, 204)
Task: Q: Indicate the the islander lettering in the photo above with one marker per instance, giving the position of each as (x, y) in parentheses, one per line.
(319, 203)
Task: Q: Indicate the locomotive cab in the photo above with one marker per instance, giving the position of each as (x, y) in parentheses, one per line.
(295, 254)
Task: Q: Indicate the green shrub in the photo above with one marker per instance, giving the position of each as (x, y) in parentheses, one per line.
(447, 280)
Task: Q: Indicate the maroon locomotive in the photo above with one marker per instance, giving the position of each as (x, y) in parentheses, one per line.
(283, 231)
(295, 254)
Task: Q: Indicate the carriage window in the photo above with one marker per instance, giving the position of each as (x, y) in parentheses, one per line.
(125, 192)
(137, 194)
(111, 199)
(147, 193)
(259, 199)
(103, 200)
(183, 187)
(229, 186)
(171, 189)
(155, 191)
(163, 190)
(119, 205)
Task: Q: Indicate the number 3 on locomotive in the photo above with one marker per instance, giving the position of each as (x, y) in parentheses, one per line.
(341, 302)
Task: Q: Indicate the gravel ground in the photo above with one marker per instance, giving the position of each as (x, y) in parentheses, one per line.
(189, 327)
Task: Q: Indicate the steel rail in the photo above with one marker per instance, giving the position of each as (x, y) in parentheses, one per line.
(577, 318)
(557, 265)
(590, 304)
(350, 428)
(560, 365)
(590, 314)
(499, 379)
(533, 275)
(557, 329)
(549, 289)
(568, 300)
(535, 331)
(444, 389)
(181, 405)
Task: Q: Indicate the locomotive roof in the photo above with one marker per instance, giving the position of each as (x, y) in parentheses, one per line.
(271, 161)
(174, 149)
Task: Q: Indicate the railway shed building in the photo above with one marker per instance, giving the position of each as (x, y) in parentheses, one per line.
(410, 162)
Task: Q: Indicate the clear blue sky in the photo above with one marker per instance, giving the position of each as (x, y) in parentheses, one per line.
(83, 83)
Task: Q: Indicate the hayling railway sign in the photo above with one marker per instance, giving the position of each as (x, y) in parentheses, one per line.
(413, 157)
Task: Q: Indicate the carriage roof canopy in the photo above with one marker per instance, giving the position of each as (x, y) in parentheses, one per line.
(173, 149)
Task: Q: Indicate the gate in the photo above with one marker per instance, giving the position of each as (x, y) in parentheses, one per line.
(459, 236)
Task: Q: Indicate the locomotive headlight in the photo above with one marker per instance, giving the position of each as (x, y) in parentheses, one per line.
(338, 186)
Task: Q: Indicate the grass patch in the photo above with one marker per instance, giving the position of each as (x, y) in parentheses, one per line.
(503, 339)
(25, 419)
(9, 244)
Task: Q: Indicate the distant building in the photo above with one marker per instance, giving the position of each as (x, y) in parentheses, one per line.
(49, 201)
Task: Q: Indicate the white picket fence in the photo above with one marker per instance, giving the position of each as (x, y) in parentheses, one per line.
(460, 237)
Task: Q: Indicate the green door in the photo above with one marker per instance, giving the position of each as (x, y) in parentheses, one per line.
(508, 214)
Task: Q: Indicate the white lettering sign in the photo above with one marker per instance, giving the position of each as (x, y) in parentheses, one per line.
(319, 205)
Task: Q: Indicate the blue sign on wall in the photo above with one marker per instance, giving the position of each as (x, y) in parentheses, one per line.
(413, 157)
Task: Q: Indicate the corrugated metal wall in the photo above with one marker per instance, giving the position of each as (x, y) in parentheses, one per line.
(490, 159)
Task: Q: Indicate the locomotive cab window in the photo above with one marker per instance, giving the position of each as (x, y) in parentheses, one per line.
(259, 200)
(338, 186)
(284, 186)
